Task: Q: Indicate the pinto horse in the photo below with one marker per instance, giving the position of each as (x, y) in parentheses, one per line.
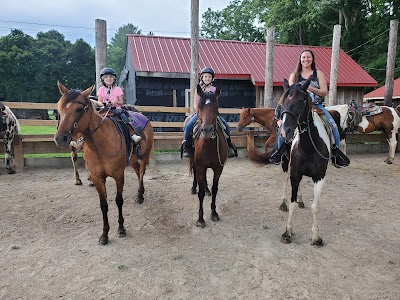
(106, 153)
(387, 121)
(263, 116)
(7, 133)
(210, 150)
(310, 152)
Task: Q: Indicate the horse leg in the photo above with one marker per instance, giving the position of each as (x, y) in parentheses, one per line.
(269, 141)
(287, 235)
(100, 184)
(194, 185)
(74, 159)
(201, 179)
(120, 202)
(316, 239)
(217, 174)
(392, 141)
(7, 153)
(137, 167)
(285, 181)
(208, 192)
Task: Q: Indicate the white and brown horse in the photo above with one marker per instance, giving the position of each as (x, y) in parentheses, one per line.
(355, 118)
(7, 133)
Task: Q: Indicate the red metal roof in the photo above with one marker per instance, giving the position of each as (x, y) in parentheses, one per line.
(380, 92)
(234, 59)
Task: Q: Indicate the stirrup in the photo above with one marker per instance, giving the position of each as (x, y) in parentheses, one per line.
(138, 151)
(232, 150)
(275, 157)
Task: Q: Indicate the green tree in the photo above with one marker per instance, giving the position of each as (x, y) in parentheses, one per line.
(117, 47)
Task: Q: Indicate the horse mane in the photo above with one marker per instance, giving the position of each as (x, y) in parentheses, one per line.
(70, 96)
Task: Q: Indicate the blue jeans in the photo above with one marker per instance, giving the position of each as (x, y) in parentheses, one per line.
(189, 127)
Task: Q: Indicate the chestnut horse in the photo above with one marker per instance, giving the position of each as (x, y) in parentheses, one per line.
(106, 153)
(210, 150)
(387, 121)
(310, 152)
(7, 133)
(264, 117)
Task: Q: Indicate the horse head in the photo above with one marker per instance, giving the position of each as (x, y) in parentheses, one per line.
(245, 118)
(72, 106)
(295, 108)
(208, 111)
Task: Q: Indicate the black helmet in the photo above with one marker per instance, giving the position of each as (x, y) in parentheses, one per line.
(107, 71)
(207, 70)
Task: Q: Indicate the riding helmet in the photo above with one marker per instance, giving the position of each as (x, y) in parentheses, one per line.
(107, 71)
(208, 70)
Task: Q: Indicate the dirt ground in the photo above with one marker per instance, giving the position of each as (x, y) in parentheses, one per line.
(50, 229)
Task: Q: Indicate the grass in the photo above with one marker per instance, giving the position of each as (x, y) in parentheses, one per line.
(33, 129)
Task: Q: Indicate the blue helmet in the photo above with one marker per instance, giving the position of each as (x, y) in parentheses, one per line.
(208, 70)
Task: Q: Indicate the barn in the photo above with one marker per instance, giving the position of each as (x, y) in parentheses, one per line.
(378, 96)
(157, 71)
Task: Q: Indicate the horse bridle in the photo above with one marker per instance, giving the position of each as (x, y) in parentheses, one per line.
(297, 117)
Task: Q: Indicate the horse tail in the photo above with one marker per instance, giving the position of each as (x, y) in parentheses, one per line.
(259, 157)
(10, 113)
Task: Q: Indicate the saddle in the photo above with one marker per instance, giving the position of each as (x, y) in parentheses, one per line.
(370, 109)
(196, 128)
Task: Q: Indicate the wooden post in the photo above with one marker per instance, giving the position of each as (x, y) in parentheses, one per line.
(174, 103)
(269, 70)
(18, 153)
(101, 49)
(391, 61)
(334, 65)
(194, 42)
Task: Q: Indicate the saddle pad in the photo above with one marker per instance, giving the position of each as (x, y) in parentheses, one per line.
(372, 111)
(139, 122)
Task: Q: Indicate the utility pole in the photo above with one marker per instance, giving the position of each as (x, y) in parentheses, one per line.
(101, 49)
(391, 61)
(334, 65)
(269, 70)
(194, 43)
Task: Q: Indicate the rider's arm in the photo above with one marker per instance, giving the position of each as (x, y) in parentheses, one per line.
(322, 91)
(291, 79)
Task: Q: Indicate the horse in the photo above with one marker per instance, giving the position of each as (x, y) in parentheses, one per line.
(7, 133)
(369, 119)
(310, 151)
(263, 116)
(210, 150)
(106, 152)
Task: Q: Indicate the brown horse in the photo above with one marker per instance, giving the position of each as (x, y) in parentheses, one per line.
(264, 117)
(210, 150)
(106, 153)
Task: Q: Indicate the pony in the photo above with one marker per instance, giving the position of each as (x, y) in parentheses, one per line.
(105, 148)
(7, 133)
(310, 151)
(263, 116)
(369, 119)
(210, 150)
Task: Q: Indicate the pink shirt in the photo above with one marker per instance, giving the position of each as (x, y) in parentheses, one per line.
(115, 93)
(196, 100)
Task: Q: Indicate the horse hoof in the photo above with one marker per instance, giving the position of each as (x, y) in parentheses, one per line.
(78, 182)
(103, 240)
(121, 232)
(317, 243)
(208, 193)
(201, 224)
(11, 171)
(286, 239)
(215, 217)
(283, 207)
(91, 184)
(301, 204)
(140, 199)
(193, 191)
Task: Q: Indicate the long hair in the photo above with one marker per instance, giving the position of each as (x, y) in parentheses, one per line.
(298, 69)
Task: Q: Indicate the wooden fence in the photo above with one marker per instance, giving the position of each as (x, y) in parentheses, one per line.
(44, 143)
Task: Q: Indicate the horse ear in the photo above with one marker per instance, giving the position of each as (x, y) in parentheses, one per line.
(218, 90)
(86, 93)
(248, 109)
(305, 85)
(285, 84)
(63, 90)
(199, 89)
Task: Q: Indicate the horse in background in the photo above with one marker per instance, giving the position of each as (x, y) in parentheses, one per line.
(107, 150)
(264, 117)
(310, 151)
(210, 150)
(8, 131)
(372, 118)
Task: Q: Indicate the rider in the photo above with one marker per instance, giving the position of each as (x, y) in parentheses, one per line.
(206, 79)
(112, 95)
(317, 90)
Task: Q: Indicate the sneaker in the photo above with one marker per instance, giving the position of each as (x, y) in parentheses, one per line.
(136, 138)
(275, 158)
(186, 151)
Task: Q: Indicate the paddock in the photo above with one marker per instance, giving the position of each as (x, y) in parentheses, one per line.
(50, 250)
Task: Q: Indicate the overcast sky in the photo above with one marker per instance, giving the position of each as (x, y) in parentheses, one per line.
(76, 18)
